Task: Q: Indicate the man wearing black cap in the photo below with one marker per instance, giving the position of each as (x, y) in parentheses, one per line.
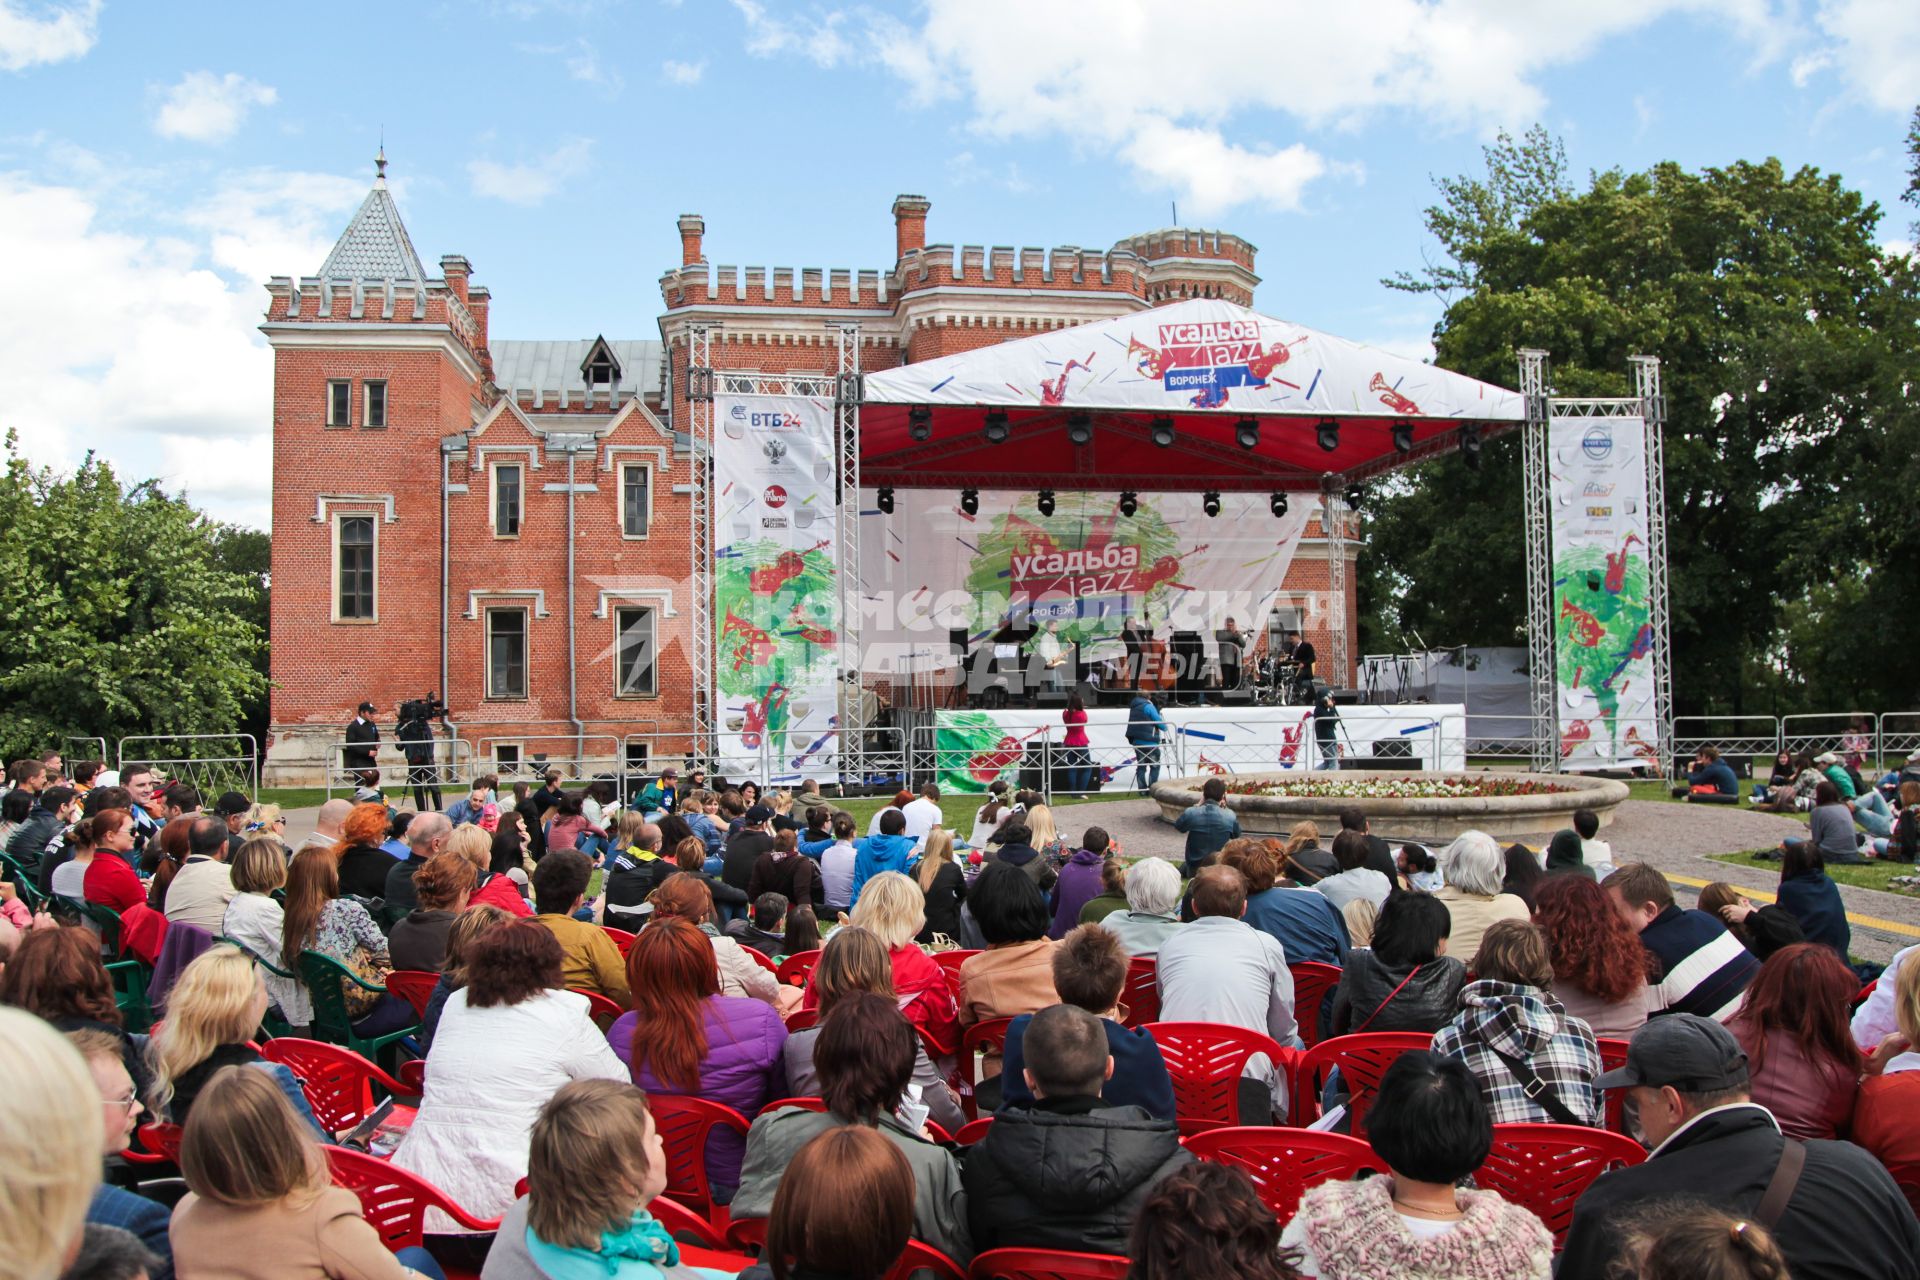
(1835, 1211)
(363, 740)
(232, 808)
(746, 846)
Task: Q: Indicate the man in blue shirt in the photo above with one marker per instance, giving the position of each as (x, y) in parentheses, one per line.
(891, 850)
(1144, 725)
(1207, 825)
(1709, 770)
(116, 1206)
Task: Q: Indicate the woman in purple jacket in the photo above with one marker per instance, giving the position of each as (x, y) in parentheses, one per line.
(1079, 883)
(683, 1037)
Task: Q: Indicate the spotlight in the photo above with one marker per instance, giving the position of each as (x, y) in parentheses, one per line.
(1277, 504)
(920, 423)
(1080, 428)
(996, 430)
(1163, 432)
(884, 499)
(970, 501)
(1045, 502)
(1211, 503)
(1470, 447)
(1356, 494)
(1403, 437)
(1129, 503)
(1329, 434)
(1246, 433)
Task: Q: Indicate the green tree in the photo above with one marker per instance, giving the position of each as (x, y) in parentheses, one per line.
(1786, 340)
(119, 617)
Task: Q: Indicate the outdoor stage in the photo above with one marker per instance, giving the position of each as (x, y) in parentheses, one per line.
(965, 750)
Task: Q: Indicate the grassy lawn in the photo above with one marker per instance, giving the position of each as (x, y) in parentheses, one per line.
(1870, 875)
(959, 809)
(298, 797)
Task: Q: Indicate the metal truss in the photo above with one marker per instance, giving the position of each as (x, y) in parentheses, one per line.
(1333, 535)
(1652, 405)
(846, 419)
(1542, 683)
(700, 433)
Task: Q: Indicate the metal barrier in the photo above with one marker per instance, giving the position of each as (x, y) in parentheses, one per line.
(1839, 731)
(583, 756)
(1484, 739)
(1899, 737)
(451, 771)
(1754, 736)
(211, 763)
(83, 749)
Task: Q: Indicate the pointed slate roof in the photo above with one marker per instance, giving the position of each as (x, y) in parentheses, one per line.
(375, 245)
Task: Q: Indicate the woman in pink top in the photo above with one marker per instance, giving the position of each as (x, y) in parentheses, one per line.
(1076, 758)
(1793, 1025)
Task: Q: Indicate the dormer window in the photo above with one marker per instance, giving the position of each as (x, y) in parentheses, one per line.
(600, 368)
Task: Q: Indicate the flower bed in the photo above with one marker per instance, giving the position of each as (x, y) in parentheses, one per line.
(1408, 788)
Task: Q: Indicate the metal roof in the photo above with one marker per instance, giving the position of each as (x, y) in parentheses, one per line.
(375, 244)
(548, 368)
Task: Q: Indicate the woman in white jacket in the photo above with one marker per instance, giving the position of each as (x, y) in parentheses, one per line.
(506, 1041)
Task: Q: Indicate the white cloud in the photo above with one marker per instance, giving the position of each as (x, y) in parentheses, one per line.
(204, 107)
(530, 183)
(1875, 48)
(1212, 99)
(144, 346)
(31, 35)
(678, 72)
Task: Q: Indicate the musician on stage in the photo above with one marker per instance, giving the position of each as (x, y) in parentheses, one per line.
(1300, 653)
(1135, 637)
(1232, 645)
(1053, 655)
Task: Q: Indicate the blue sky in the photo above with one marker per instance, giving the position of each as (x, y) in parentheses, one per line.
(158, 161)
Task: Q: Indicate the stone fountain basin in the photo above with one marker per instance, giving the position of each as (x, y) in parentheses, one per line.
(1532, 818)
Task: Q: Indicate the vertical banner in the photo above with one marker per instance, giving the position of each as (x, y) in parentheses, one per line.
(1602, 603)
(775, 603)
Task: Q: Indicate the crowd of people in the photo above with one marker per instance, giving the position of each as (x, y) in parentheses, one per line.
(585, 958)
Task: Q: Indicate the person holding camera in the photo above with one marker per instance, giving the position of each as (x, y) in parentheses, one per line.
(414, 736)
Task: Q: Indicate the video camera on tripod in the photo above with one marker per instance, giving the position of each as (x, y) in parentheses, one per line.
(422, 709)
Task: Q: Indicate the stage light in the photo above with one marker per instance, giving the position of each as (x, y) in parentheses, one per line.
(1356, 494)
(970, 501)
(1211, 503)
(996, 429)
(1470, 447)
(920, 423)
(1163, 432)
(1080, 428)
(884, 499)
(1329, 434)
(1403, 437)
(1045, 502)
(1129, 503)
(1246, 433)
(1277, 504)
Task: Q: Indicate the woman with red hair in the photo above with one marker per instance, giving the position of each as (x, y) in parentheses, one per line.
(1600, 970)
(362, 862)
(684, 1037)
(1800, 1050)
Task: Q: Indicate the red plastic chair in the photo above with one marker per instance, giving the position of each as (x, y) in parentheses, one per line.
(684, 1125)
(1285, 1163)
(797, 969)
(1206, 1061)
(621, 939)
(338, 1082)
(682, 1221)
(924, 1257)
(413, 1074)
(414, 986)
(809, 1104)
(972, 1131)
(159, 1142)
(394, 1201)
(1908, 1178)
(763, 960)
(1046, 1264)
(991, 1034)
(1545, 1167)
(1141, 995)
(951, 962)
(801, 1019)
(603, 1010)
(1311, 982)
(1362, 1060)
(1613, 1056)
(747, 1235)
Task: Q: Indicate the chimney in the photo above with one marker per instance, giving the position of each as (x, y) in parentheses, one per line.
(909, 224)
(456, 269)
(692, 227)
(478, 300)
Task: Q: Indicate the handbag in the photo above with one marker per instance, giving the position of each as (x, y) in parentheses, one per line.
(370, 969)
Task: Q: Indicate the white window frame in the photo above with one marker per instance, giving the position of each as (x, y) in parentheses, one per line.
(526, 652)
(619, 651)
(366, 404)
(333, 577)
(622, 469)
(493, 498)
(330, 421)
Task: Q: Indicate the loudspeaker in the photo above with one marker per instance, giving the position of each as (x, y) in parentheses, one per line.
(1380, 762)
(1189, 661)
(1349, 697)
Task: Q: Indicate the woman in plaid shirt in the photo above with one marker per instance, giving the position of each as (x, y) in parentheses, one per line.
(1535, 1062)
